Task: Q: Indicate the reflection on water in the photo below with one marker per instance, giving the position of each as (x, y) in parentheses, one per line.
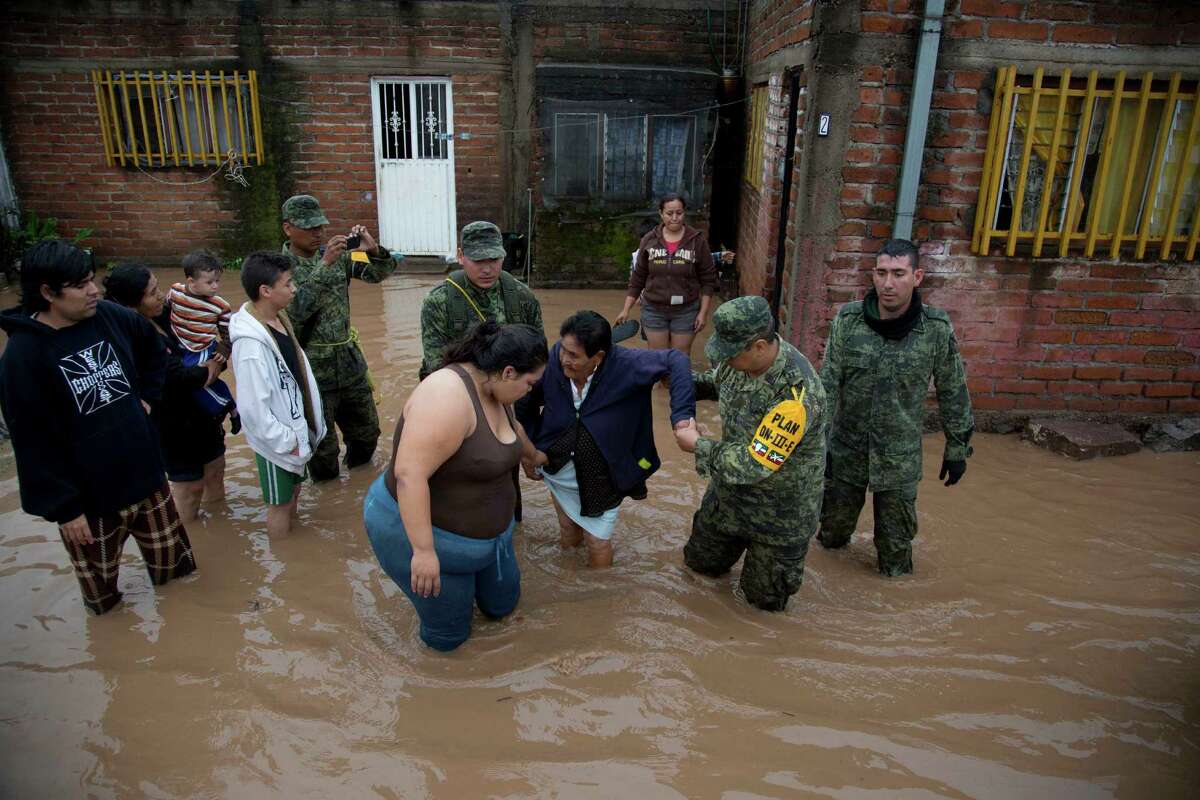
(1047, 646)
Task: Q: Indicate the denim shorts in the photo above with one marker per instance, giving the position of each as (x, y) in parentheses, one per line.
(676, 319)
(474, 572)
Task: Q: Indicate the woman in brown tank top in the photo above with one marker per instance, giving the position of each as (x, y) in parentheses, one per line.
(440, 519)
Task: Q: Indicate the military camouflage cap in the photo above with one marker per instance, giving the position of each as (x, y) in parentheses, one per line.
(303, 211)
(481, 241)
(735, 325)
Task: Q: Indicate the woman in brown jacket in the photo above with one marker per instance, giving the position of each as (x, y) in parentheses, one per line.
(676, 279)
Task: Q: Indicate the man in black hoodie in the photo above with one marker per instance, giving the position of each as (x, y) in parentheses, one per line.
(76, 383)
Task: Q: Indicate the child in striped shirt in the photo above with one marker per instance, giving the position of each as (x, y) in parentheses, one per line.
(200, 320)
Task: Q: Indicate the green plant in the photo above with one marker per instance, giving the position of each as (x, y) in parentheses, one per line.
(232, 264)
(33, 229)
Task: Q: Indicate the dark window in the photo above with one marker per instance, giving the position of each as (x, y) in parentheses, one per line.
(576, 141)
(671, 152)
(625, 156)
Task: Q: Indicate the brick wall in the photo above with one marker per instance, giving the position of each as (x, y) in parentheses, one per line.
(792, 238)
(773, 26)
(55, 150)
(777, 24)
(620, 36)
(626, 62)
(760, 207)
(321, 59)
(1041, 334)
(1088, 22)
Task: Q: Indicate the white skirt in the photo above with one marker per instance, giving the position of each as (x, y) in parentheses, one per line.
(565, 487)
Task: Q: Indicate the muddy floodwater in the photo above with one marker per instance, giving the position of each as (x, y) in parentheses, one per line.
(1048, 645)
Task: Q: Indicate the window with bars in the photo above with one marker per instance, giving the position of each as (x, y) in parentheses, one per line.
(1102, 167)
(180, 119)
(414, 120)
(753, 171)
(623, 157)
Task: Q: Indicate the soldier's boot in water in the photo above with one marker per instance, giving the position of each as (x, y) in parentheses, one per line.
(359, 422)
(358, 453)
(839, 513)
(773, 573)
(710, 550)
(895, 528)
(323, 466)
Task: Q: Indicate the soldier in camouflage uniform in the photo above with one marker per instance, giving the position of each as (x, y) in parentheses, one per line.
(480, 290)
(320, 313)
(764, 494)
(882, 351)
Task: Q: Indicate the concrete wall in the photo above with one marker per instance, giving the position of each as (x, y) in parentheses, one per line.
(1044, 334)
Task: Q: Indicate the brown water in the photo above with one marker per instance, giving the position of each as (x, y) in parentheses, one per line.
(1047, 647)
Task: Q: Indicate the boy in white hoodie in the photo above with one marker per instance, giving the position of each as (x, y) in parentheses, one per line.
(277, 396)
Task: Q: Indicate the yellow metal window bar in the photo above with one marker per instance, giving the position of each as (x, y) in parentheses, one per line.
(1106, 167)
(180, 119)
(753, 172)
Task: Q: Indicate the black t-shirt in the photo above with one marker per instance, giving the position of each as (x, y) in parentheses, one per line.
(287, 348)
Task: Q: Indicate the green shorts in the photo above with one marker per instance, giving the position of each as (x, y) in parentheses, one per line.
(278, 485)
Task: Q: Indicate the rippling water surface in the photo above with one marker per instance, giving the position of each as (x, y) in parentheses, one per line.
(1047, 646)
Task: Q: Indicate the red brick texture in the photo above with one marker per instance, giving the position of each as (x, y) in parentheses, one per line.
(1090, 22)
(778, 24)
(759, 211)
(1036, 334)
(56, 153)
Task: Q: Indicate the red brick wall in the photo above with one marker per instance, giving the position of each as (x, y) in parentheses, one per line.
(792, 236)
(54, 147)
(680, 39)
(55, 150)
(758, 211)
(777, 24)
(773, 25)
(1090, 22)
(1037, 334)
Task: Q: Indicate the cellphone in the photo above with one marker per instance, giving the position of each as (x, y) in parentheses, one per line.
(353, 240)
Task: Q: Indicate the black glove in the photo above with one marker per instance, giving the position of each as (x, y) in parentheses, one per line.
(828, 464)
(954, 469)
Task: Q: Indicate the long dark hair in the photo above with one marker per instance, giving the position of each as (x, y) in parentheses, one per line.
(126, 284)
(490, 347)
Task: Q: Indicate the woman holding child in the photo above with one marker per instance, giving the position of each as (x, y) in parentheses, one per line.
(441, 517)
(192, 439)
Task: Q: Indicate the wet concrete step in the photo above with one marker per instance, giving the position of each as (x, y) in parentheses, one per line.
(1081, 440)
(425, 265)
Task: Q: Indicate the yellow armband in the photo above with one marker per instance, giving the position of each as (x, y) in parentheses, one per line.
(780, 431)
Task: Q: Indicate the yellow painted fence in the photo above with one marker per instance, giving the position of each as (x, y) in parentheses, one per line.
(1108, 167)
(180, 119)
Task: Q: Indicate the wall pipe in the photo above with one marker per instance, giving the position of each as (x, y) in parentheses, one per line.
(918, 118)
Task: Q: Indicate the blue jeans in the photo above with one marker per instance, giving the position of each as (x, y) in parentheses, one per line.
(479, 572)
(215, 398)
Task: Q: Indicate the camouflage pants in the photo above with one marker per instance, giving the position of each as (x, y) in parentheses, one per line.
(351, 409)
(895, 522)
(774, 565)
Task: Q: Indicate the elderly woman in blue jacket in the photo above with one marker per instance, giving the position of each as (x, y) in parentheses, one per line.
(590, 419)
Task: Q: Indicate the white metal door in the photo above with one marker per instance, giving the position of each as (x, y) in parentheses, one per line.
(414, 164)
